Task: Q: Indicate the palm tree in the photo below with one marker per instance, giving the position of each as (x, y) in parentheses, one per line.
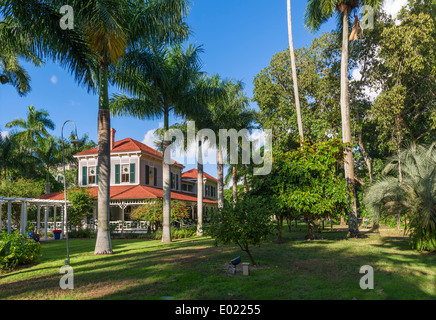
(414, 196)
(228, 112)
(9, 155)
(48, 153)
(294, 73)
(33, 128)
(14, 47)
(103, 31)
(166, 81)
(318, 12)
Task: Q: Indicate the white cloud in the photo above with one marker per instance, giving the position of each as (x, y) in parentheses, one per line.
(4, 134)
(149, 138)
(393, 7)
(54, 79)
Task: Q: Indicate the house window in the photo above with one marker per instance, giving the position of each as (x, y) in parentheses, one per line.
(92, 173)
(187, 187)
(150, 175)
(125, 173)
(177, 182)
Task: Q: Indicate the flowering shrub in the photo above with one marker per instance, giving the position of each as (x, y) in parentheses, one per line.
(153, 212)
(57, 231)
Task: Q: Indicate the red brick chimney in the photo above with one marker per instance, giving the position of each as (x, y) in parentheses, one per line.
(113, 137)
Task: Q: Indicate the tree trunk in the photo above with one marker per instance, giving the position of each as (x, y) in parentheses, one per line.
(279, 232)
(166, 165)
(250, 256)
(366, 157)
(400, 177)
(200, 190)
(310, 228)
(220, 174)
(245, 184)
(103, 244)
(235, 184)
(294, 73)
(353, 230)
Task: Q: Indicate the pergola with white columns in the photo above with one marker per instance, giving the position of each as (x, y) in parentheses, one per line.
(38, 203)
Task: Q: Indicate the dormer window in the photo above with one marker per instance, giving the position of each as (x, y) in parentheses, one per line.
(92, 174)
(125, 173)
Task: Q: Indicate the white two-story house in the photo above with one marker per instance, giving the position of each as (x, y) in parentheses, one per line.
(136, 175)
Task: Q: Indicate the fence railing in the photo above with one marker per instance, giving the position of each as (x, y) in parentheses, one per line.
(129, 226)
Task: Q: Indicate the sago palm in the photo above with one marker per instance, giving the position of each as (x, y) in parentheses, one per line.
(414, 197)
(318, 12)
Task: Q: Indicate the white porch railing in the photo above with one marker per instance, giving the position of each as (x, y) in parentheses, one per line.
(50, 226)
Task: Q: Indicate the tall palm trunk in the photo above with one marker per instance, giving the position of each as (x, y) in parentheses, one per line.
(294, 73)
(235, 183)
(200, 190)
(346, 127)
(166, 168)
(103, 244)
(220, 176)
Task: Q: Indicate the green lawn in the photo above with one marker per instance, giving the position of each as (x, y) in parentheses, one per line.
(193, 269)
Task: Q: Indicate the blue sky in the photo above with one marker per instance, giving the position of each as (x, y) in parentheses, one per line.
(239, 38)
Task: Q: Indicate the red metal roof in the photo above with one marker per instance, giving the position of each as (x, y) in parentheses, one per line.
(126, 145)
(137, 192)
(192, 174)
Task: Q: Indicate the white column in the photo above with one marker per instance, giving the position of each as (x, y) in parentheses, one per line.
(25, 217)
(9, 216)
(22, 218)
(46, 222)
(38, 218)
(54, 217)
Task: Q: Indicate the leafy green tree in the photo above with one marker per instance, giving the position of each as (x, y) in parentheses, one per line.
(404, 107)
(81, 206)
(153, 212)
(318, 72)
(305, 182)
(246, 223)
(414, 196)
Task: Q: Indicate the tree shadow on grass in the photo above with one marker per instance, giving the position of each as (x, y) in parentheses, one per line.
(192, 269)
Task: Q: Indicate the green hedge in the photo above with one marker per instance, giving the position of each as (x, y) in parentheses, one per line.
(16, 250)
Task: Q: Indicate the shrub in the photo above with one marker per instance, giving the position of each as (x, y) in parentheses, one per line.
(81, 206)
(246, 223)
(16, 250)
(177, 233)
(153, 212)
(81, 234)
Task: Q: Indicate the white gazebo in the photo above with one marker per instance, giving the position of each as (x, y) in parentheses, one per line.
(38, 203)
